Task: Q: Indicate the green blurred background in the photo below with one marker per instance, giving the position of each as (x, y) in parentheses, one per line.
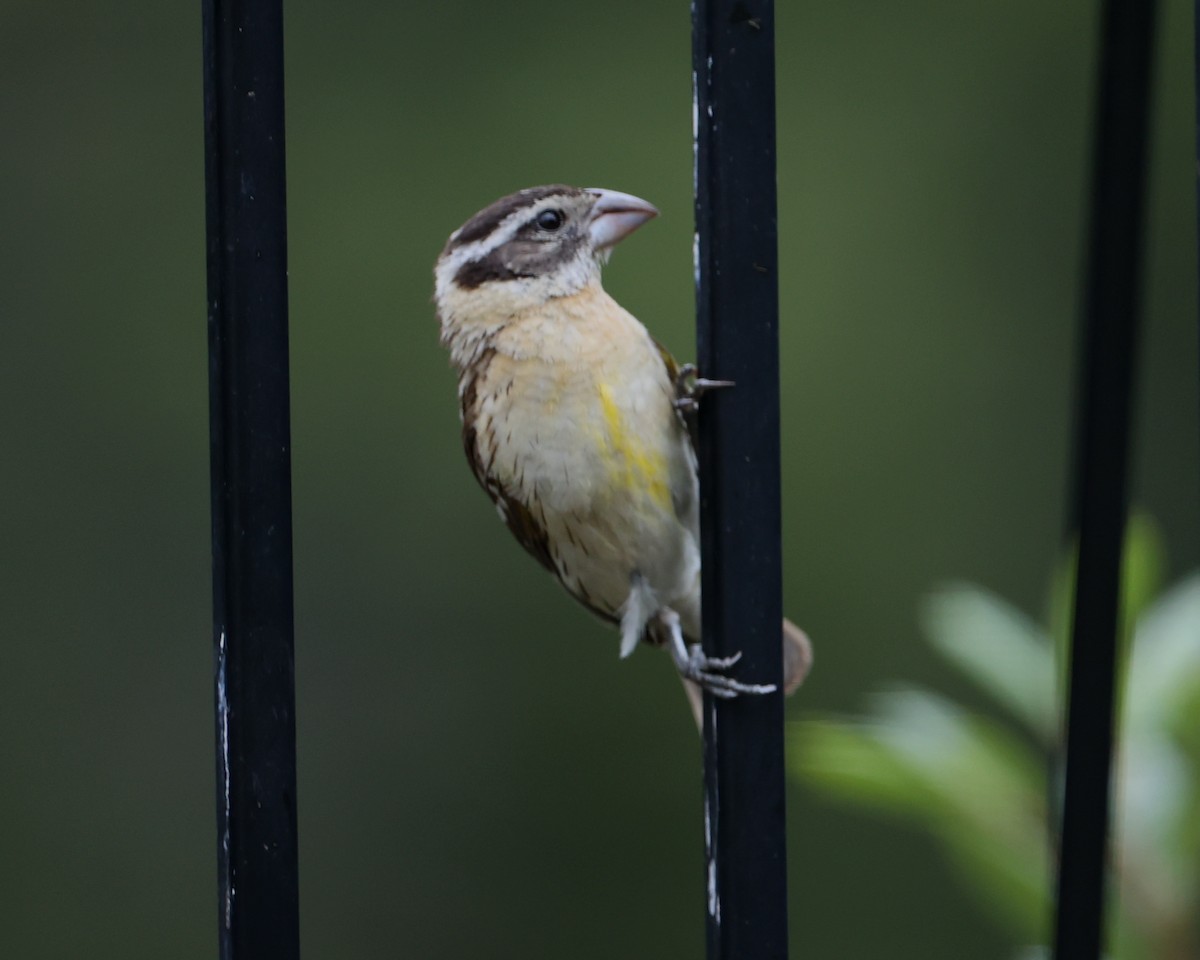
(479, 775)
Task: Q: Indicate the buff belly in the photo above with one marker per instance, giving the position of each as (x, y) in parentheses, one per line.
(597, 453)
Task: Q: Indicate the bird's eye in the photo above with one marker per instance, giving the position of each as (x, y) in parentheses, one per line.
(550, 219)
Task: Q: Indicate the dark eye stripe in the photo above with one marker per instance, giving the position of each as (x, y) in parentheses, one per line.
(489, 218)
(478, 272)
(519, 259)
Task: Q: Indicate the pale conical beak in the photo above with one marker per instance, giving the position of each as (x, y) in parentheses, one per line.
(615, 216)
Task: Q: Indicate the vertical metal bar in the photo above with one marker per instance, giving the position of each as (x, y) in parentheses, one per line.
(1105, 385)
(251, 479)
(733, 63)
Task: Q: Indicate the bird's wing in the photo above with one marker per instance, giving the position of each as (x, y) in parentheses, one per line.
(527, 528)
(668, 361)
(672, 365)
(529, 531)
(684, 492)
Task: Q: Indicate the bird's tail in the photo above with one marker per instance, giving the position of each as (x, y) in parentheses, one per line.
(797, 656)
(797, 661)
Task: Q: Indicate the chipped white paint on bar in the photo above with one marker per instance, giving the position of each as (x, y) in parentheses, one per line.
(712, 810)
(695, 136)
(223, 720)
(714, 904)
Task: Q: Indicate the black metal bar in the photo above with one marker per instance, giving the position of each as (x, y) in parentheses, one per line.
(1101, 456)
(251, 479)
(733, 62)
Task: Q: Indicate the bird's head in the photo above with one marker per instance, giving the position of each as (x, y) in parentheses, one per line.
(530, 247)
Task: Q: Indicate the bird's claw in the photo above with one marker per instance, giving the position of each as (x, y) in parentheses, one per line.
(696, 654)
(690, 387)
(705, 671)
(708, 672)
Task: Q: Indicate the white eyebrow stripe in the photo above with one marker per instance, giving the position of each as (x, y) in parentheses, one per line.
(504, 232)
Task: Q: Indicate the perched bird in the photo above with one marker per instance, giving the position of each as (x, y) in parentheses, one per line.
(573, 420)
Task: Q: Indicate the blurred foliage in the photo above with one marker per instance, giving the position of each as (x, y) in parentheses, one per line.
(479, 774)
(979, 784)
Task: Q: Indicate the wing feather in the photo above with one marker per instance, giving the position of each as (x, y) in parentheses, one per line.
(530, 533)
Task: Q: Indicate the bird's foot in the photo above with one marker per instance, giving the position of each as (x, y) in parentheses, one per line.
(690, 387)
(707, 672)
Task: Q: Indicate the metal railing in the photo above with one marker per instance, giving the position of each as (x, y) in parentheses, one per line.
(251, 479)
(737, 338)
(1111, 305)
(737, 335)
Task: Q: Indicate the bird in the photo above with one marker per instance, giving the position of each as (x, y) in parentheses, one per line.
(575, 421)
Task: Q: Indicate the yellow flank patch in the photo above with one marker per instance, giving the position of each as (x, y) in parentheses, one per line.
(631, 462)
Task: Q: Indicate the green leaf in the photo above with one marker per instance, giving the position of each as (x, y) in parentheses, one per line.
(998, 647)
(971, 783)
(1159, 804)
(848, 759)
(1164, 676)
(980, 790)
(1142, 565)
(1154, 841)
